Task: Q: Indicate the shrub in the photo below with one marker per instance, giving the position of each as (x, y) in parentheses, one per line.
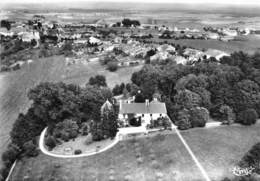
(247, 117)
(228, 115)
(252, 158)
(77, 152)
(112, 66)
(64, 136)
(85, 129)
(199, 116)
(73, 134)
(30, 149)
(50, 142)
(183, 120)
(4, 171)
(11, 153)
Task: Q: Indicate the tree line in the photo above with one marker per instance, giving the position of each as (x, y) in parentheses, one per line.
(228, 90)
(67, 110)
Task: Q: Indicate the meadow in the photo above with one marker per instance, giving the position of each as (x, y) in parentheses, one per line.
(15, 85)
(249, 44)
(159, 157)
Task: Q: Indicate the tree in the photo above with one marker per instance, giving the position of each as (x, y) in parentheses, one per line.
(187, 99)
(26, 128)
(6, 24)
(183, 121)
(97, 131)
(247, 117)
(112, 66)
(139, 98)
(228, 116)
(50, 142)
(69, 126)
(109, 122)
(252, 158)
(199, 116)
(11, 154)
(30, 149)
(84, 128)
(116, 90)
(98, 80)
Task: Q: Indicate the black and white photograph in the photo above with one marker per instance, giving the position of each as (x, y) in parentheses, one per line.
(130, 90)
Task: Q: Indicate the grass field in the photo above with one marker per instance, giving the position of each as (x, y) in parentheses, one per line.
(15, 85)
(249, 44)
(141, 159)
(219, 149)
(163, 156)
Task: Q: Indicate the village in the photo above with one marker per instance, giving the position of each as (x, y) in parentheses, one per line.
(130, 44)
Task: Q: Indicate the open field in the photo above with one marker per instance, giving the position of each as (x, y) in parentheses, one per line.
(161, 155)
(15, 85)
(217, 149)
(249, 44)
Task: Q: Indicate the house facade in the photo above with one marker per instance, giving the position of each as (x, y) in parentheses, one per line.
(144, 113)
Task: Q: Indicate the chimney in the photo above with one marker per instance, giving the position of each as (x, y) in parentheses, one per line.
(155, 99)
(120, 104)
(147, 102)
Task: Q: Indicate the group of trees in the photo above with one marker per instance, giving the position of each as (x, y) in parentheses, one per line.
(128, 22)
(228, 91)
(111, 62)
(66, 109)
(6, 24)
(123, 88)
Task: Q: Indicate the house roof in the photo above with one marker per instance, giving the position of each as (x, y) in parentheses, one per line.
(141, 108)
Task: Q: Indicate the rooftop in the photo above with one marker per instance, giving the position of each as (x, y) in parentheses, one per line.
(153, 107)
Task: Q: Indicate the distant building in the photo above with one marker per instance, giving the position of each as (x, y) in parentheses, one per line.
(218, 54)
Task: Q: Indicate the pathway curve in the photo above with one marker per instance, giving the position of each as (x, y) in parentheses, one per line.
(46, 152)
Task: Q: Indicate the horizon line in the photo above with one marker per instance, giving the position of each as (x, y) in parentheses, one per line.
(234, 3)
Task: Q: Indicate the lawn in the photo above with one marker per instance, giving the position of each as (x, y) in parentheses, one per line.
(162, 155)
(140, 159)
(15, 85)
(83, 143)
(219, 149)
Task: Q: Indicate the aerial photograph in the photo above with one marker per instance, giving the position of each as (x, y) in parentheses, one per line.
(130, 90)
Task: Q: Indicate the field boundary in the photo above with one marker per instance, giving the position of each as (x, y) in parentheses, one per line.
(46, 152)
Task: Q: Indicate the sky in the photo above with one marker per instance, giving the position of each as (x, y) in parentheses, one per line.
(236, 2)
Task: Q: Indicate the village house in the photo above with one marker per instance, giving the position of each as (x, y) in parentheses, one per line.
(144, 113)
(218, 54)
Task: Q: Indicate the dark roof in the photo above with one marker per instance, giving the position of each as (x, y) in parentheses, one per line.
(128, 108)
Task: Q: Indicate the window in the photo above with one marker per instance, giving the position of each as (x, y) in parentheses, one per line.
(151, 115)
(142, 115)
(160, 115)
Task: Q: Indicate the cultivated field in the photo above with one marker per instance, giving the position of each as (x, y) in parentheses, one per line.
(160, 156)
(15, 85)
